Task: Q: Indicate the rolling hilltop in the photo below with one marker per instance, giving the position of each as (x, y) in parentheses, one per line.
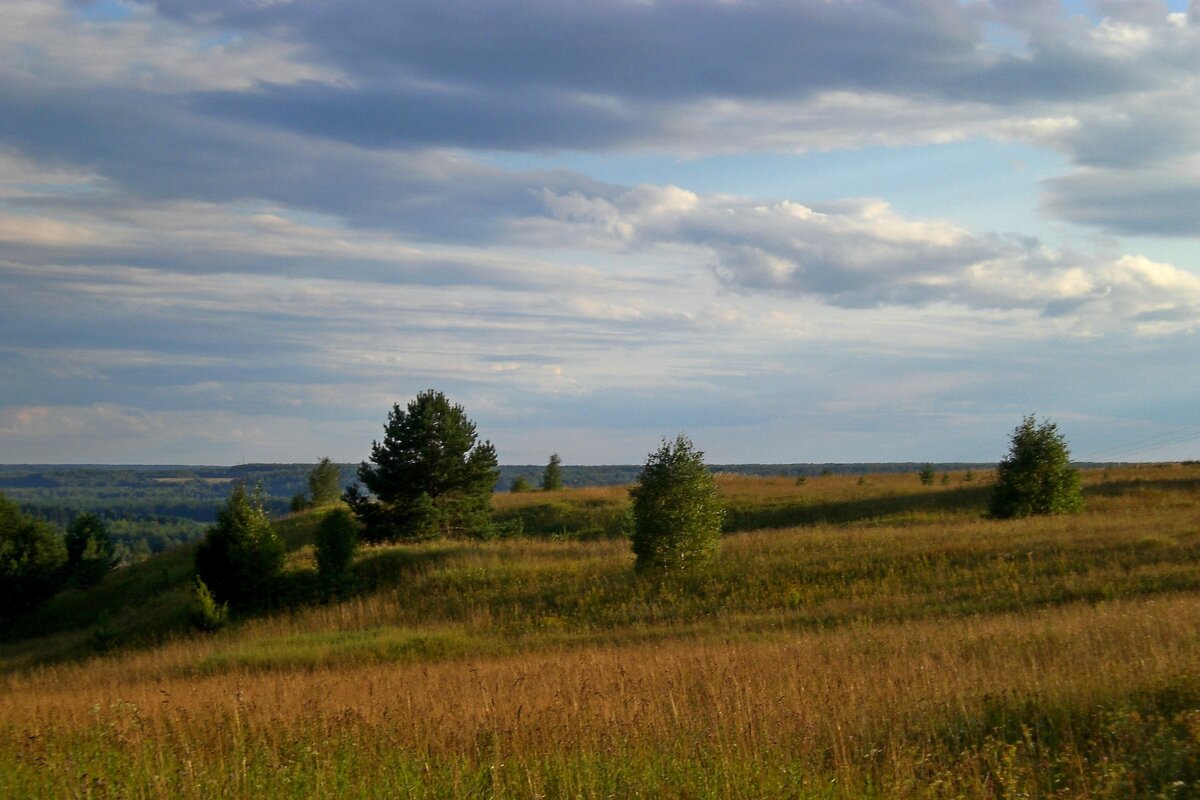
(856, 636)
(150, 508)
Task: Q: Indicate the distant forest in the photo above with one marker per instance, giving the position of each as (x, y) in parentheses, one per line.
(151, 508)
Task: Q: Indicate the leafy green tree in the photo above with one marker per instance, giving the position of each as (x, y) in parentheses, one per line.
(676, 512)
(32, 559)
(519, 485)
(241, 554)
(1036, 476)
(428, 477)
(324, 487)
(91, 552)
(336, 541)
(552, 477)
(325, 483)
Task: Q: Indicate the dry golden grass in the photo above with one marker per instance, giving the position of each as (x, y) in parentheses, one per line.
(582, 496)
(848, 703)
(922, 651)
(805, 689)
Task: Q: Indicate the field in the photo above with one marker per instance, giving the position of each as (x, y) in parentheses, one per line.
(855, 637)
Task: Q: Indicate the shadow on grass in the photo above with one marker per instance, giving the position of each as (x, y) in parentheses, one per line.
(800, 511)
(1123, 487)
(144, 590)
(376, 569)
(589, 520)
(145, 604)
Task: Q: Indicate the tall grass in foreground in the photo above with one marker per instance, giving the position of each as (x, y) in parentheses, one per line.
(975, 706)
(916, 651)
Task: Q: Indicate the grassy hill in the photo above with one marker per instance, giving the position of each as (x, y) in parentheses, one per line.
(857, 636)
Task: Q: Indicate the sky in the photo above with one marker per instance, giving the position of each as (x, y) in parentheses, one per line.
(795, 230)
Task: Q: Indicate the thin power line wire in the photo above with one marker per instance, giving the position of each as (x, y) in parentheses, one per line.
(1147, 444)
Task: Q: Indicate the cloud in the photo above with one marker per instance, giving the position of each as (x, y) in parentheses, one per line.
(258, 216)
(862, 254)
(1160, 200)
(43, 45)
(113, 433)
(351, 107)
(654, 51)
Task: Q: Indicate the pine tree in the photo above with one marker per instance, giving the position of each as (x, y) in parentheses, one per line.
(428, 477)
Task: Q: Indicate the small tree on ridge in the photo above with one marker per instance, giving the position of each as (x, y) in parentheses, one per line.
(552, 477)
(325, 483)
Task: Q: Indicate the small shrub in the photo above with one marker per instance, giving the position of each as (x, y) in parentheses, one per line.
(509, 529)
(677, 515)
(926, 475)
(520, 485)
(336, 541)
(105, 636)
(206, 613)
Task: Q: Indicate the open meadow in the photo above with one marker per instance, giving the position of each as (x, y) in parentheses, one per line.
(854, 637)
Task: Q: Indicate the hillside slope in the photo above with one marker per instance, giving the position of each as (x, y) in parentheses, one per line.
(851, 639)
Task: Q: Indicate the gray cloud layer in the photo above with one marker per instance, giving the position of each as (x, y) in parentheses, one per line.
(251, 206)
(346, 97)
